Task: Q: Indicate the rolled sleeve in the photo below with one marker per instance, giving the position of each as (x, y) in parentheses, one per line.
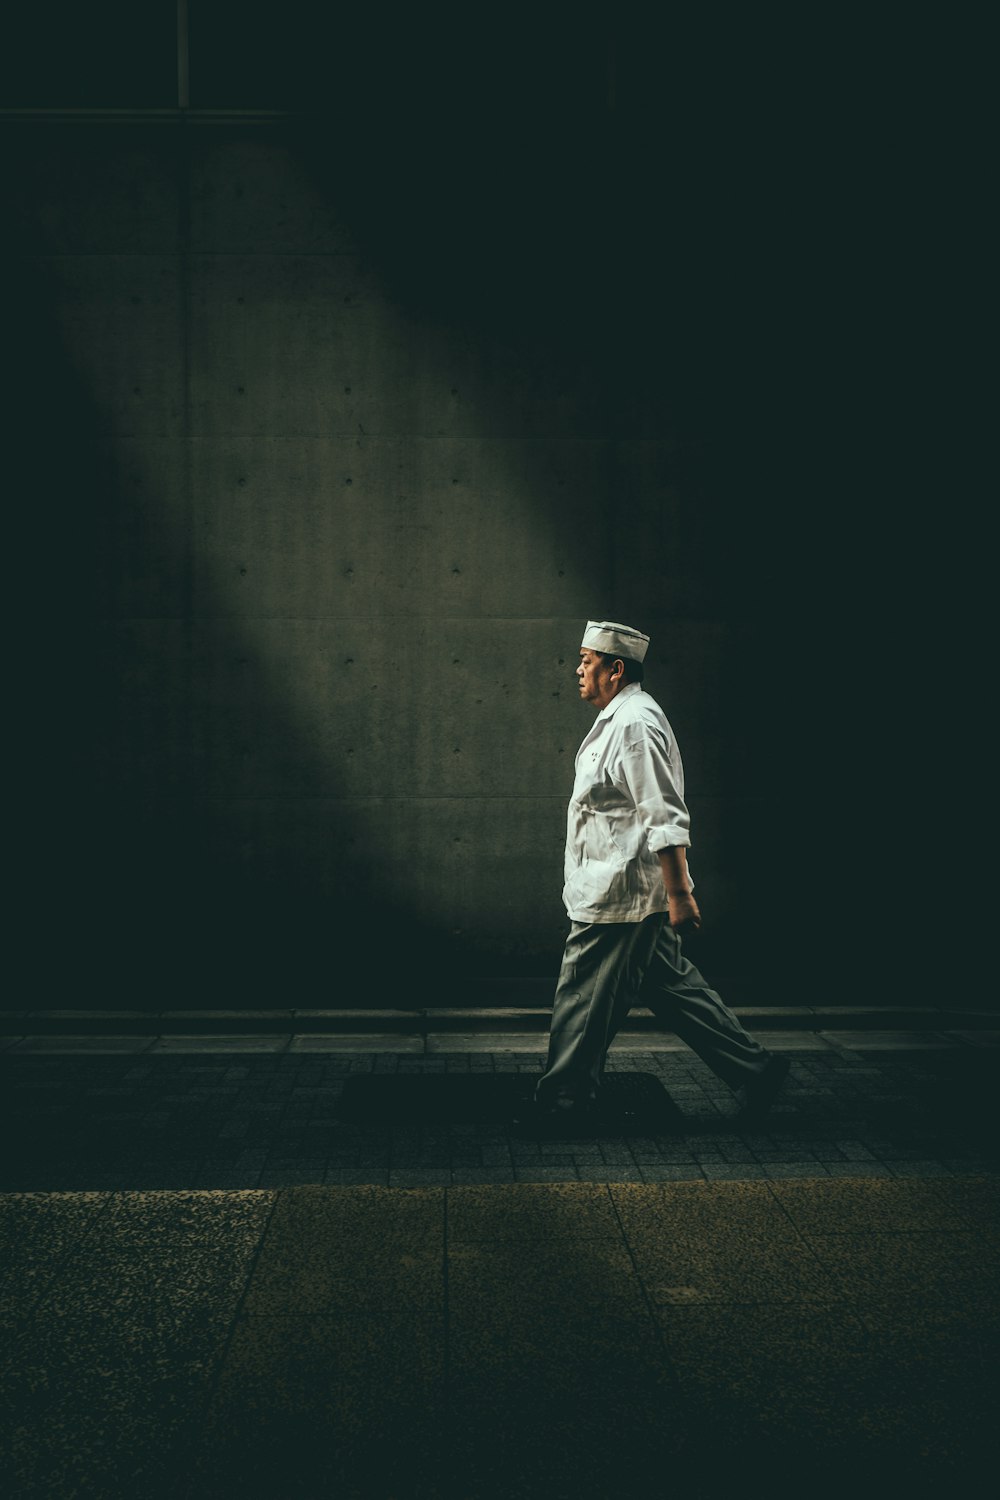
(655, 781)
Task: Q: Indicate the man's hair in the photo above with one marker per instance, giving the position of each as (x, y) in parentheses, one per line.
(633, 669)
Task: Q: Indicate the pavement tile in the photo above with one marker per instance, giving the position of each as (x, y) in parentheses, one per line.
(481, 1175)
(135, 1283)
(745, 1208)
(363, 1213)
(402, 1177)
(968, 1162)
(890, 1041)
(160, 1253)
(873, 1205)
(285, 1177)
(496, 1156)
(783, 1169)
(356, 1177)
(965, 1332)
(795, 1386)
(310, 1044)
(312, 1282)
(590, 1171)
(857, 1169)
(733, 1171)
(931, 1266)
(38, 1233)
(215, 1179)
(370, 1385)
(497, 1042)
(105, 1406)
(801, 1335)
(227, 1044)
(78, 1045)
(853, 1150)
(544, 1173)
(509, 1272)
(161, 1219)
(562, 1212)
(174, 1177)
(795, 1041)
(730, 1267)
(975, 1201)
(530, 1377)
(672, 1172)
(460, 1159)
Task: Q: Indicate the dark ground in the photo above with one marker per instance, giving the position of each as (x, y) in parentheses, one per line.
(210, 1285)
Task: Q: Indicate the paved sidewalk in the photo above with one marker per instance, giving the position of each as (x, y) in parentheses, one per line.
(252, 1112)
(549, 1342)
(210, 1285)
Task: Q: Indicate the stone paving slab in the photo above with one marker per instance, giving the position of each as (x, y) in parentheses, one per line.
(220, 1043)
(881, 1041)
(358, 1042)
(524, 1340)
(470, 1042)
(79, 1044)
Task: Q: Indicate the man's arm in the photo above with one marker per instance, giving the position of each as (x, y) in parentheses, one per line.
(656, 787)
(684, 913)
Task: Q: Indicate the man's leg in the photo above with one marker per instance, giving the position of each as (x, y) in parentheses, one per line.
(680, 998)
(601, 965)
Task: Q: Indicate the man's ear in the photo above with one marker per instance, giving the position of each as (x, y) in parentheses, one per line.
(618, 667)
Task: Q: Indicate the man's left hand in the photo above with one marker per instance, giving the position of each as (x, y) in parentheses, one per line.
(684, 914)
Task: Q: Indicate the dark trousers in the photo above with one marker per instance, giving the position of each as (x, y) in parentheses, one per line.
(607, 968)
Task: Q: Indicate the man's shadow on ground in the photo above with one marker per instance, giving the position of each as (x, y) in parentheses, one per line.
(631, 1103)
(638, 1104)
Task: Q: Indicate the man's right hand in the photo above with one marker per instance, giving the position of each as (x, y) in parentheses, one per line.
(684, 914)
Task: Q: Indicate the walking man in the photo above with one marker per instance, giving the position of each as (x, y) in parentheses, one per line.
(630, 900)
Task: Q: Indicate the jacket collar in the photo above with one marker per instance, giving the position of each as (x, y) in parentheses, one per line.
(629, 690)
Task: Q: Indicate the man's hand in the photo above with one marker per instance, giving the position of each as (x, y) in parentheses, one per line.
(684, 914)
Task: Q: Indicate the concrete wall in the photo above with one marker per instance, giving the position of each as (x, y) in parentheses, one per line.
(321, 470)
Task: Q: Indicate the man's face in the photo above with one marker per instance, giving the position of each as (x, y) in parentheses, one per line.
(594, 677)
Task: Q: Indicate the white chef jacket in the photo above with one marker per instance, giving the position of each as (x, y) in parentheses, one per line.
(627, 803)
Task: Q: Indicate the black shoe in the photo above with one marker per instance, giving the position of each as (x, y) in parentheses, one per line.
(758, 1096)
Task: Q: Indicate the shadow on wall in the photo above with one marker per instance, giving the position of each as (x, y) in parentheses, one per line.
(138, 888)
(303, 622)
(200, 819)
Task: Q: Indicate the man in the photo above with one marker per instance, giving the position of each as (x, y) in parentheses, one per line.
(630, 899)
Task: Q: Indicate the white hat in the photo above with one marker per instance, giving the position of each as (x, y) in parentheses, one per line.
(619, 640)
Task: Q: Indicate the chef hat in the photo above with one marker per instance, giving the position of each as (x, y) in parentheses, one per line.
(616, 640)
